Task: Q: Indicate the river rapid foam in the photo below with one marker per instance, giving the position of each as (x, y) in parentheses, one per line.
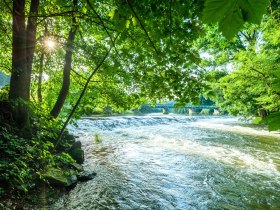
(176, 162)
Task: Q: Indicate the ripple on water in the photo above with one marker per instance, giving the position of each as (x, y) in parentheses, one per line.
(174, 162)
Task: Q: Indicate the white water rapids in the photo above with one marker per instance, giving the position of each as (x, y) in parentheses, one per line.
(176, 162)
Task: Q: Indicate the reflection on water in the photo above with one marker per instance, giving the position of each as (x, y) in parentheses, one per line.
(176, 162)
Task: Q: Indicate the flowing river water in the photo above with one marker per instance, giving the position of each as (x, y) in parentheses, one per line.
(176, 162)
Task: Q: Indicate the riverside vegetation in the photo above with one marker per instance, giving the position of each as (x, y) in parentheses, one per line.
(68, 59)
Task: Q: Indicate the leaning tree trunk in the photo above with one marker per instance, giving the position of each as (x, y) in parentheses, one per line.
(67, 69)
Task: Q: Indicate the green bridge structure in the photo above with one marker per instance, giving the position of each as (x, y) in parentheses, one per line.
(187, 109)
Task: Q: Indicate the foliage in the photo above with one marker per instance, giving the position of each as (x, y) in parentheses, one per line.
(249, 86)
(154, 54)
(97, 138)
(232, 14)
(205, 112)
(24, 160)
(273, 121)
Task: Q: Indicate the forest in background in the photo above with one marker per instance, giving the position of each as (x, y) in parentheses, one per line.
(67, 59)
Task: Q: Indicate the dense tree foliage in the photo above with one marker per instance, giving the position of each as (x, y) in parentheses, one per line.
(73, 58)
(245, 71)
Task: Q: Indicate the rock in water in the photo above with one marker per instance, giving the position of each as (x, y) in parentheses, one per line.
(57, 178)
(86, 176)
(71, 180)
(77, 167)
(76, 152)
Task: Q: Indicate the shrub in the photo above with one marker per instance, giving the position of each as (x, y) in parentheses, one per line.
(205, 112)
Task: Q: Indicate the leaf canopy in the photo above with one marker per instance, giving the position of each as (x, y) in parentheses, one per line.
(232, 14)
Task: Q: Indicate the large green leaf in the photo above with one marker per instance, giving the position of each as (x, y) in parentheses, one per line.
(231, 14)
(231, 24)
(216, 10)
(255, 9)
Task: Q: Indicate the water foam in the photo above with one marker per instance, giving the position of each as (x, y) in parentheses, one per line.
(225, 155)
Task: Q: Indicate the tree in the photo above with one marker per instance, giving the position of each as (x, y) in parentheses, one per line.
(152, 44)
(252, 86)
(67, 66)
(24, 39)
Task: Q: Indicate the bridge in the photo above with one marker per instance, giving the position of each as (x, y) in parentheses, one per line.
(187, 109)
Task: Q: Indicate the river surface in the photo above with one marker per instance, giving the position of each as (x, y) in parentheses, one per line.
(176, 162)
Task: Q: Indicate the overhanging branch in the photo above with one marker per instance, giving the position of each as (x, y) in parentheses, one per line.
(80, 97)
(142, 26)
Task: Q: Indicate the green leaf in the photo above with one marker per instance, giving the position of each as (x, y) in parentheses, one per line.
(231, 14)
(231, 24)
(134, 21)
(112, 14)
(84, 10)
(257, 120)
(127, 23)
(256, 9)
(215, 10)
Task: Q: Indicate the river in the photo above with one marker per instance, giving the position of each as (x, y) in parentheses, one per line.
(176, 162)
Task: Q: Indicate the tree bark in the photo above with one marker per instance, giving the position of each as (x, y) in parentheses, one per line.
(262, 113)
(40, 78)
(31, 40)
(23, 46)
(19, 77)
(67, 68)
(18, 84)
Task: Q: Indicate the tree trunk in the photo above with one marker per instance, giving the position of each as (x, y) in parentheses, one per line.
(19, 77)
(22, 56)
(31, 40)
(40, 78)
(263, 113)
(18, 84)
(67, 68)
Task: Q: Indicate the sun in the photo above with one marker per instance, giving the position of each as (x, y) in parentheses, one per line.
(50, 44)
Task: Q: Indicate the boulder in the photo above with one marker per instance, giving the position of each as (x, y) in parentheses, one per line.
(76, 152)
(86, 176)
(72, 180)
(76, 167)
(56, 177)
(68, 138)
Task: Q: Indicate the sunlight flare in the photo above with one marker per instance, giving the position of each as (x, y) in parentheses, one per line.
(50, 44)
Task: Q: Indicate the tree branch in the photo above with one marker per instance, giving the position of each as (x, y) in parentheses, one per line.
(111, 39)
(7, 5)
(265, 79)
(142, 26)
(248, 38)
(80, 98)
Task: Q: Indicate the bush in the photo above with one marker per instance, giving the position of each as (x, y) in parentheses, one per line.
(25, 160)
(205, 112)
(97, 138)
